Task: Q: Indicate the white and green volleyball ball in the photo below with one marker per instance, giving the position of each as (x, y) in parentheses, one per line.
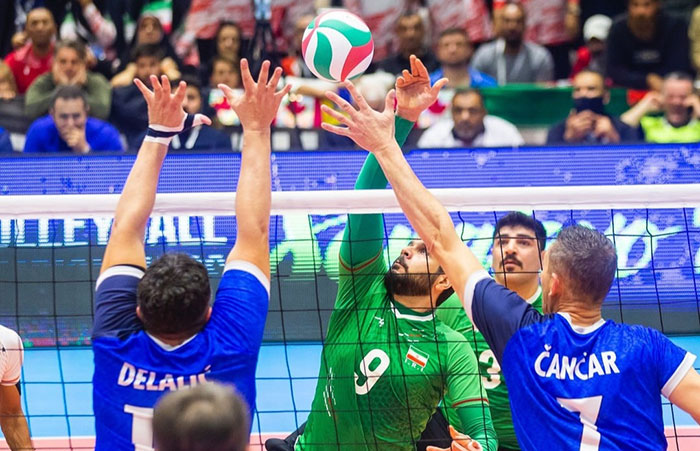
(337, 46)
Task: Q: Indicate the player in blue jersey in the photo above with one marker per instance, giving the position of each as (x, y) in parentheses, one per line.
(154, 329)
(576, 381)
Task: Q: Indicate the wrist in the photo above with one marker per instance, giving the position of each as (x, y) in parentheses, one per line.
(408, 114)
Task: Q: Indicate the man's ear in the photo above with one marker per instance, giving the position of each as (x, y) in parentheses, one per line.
(442, 283)
(555, 285)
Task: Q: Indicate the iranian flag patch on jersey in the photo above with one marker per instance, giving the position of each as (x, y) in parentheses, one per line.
(416, 357)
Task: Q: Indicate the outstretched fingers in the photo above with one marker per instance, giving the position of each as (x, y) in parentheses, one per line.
(246, 78)
(341, 102)
(274, 81)
(441, 83)
(264, 72)
(342, 131)
(343, 119)
(179, 92)
(165, 83)
(389, 101)
(147, 93)
(157, 88)
(359, 98)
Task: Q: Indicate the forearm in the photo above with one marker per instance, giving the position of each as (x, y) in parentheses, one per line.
(477, 424)
(634, 115)
(16, 431)
(138, 196)
(364, 234)
(253, 196)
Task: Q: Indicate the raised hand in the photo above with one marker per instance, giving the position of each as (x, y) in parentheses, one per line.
(257, 106)
(164, 106)
(460, 442)
(370, 129)
(413, 91)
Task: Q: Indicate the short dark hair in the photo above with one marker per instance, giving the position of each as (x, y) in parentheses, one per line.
(467, 91)
(173, 295)
(192, 81)
(205, 417)
(221, 59)
(68, 92)
(586, 259)
(147, 50)
(78, 46)
(515, 219)
(454, 30)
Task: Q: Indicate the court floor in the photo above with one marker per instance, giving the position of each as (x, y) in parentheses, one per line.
(58, 395)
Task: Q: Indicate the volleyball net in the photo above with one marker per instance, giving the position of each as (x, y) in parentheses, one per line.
(51, 248)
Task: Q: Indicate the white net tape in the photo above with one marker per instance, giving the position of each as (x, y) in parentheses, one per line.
(368, 201)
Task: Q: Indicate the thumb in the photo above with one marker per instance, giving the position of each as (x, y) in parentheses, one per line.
(200, 119)
(389, 101)
(228, 92)
(441, 83)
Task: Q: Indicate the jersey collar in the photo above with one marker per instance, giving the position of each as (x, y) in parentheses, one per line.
(535, 296)
(402, 312)
(166, 346)
(580, 329)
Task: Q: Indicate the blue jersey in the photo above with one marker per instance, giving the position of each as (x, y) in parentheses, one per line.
(571, 387)
(133, 369)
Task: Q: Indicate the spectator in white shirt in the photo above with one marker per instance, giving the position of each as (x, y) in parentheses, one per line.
(12, 420)
(470, 126)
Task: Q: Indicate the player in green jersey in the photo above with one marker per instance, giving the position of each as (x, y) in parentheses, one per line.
(387, 362)
(518, 244)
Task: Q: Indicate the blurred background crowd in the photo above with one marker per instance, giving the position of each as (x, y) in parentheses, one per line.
(520, 72)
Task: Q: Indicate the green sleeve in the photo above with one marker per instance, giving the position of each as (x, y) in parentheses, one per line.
(99, 96)
(38, 96)
(364, 234)
(476, 423)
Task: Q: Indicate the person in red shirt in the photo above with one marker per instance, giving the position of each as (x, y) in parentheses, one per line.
(35, 57)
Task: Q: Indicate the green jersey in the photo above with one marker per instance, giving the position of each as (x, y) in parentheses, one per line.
(384, 369)
(451, 312)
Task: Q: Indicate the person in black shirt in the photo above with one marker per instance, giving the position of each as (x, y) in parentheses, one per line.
(646, 44)
(410, 32)
(588, 123)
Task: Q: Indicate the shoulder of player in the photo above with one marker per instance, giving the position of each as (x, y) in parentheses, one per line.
(243, 272)
(8, 337)
(114, 273)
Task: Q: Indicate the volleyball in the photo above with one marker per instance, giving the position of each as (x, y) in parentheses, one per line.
(337, 45)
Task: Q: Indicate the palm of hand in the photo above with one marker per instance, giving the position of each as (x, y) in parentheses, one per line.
(414, 93)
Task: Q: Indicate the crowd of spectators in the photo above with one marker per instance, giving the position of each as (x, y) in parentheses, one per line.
(66, 80)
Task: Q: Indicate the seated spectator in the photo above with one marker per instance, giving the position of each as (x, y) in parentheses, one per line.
(470, 126)
(69, 68)
(410, 33)
(34, 58)
(588, 122)
(149, 31)
(454, 52)
(554, 24)
(681, 111)
(591, 55)
(13, 18)
(11, 105)
(646, 44)
(209, 416)
(68, 128)
(199, 137)
(510, 58)
(694, 35)
(225, 71)
(5, 143)
(129, 110)
(8, 87)
(92, 22)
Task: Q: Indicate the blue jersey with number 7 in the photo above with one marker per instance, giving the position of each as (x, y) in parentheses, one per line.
(133, 369)
(588, 388)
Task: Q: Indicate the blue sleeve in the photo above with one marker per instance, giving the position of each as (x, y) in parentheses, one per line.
(32, 141)
(107, 139)
(115, 302)
(240, 306)
(497, 311)
(5, 143)
(671, 362)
